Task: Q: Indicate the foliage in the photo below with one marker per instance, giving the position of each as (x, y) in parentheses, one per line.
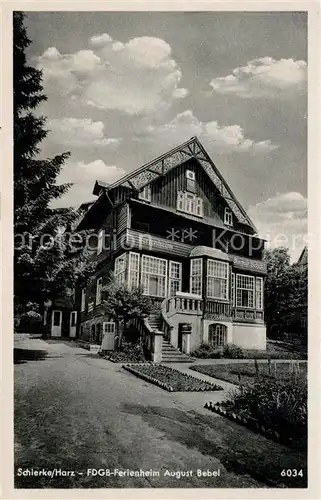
(130, 353)
(123, 304)
(41, 271)
(277, 404)
(245, 373)
(285, 295)
(232, 351)
(171, 379)
(207, 351)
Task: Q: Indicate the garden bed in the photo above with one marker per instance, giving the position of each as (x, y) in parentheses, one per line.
(245, 373)
(129, 353)
(275, 408)
(170, 379)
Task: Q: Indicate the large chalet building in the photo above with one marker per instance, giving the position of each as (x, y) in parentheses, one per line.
(174, 227)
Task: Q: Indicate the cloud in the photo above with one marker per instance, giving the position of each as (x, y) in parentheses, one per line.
(264, 77)
(227, 138)
(282, 221)
(84, 175)
(75, 132)
(137, 77)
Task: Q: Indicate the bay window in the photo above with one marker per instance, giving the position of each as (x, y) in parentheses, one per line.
(174, 278)
(196, 276)
(233, 290)
(259, 293)
(217, 279)
(133, 270)
(153, 276)
(244, 291)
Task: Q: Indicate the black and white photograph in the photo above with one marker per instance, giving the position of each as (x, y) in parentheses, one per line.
(160, 250)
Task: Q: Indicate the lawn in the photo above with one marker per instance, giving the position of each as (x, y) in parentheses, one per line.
(245, 373)
(170, 379)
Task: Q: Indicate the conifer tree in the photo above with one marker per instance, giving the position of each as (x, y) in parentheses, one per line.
(44, 262)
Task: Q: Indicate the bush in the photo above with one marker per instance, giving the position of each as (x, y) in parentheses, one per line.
(278, 404)
(30, 322)
(206, 351)
(232, 351)
(129, 352)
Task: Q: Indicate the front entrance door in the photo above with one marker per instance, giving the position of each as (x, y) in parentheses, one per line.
(72, 324)
(56, 323)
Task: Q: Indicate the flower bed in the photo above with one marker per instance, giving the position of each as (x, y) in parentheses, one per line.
(276, 408)
(169, 378)
(245, 373)
(130, 353)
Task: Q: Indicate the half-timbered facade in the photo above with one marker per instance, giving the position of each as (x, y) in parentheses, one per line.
(175, 228)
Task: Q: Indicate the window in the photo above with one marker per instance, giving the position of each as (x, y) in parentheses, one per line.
(109, 327)
(217, 335)
(196, 276)
(120, 269)
(244, 291)
(217, 279)
(154, 271)
(73, 318)
(233, 289)
(228, 217)
(189, 203)
(146, 194)
(98, 291)
(83, 299)
(100, 241)
(56, 318)
(259, 293)
(133, 270)
(190, 181)
(175, 278)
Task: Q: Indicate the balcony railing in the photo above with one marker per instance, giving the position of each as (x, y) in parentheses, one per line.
(217, 310)
(245, 315)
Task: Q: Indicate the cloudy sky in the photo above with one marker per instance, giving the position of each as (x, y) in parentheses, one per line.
(125, 87)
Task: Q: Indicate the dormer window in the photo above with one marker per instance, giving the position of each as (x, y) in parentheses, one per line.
(189, 203)
(146, 194)
(190, 181)
(228, 217)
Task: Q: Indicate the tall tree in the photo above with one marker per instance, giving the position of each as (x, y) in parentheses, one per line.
(285, 293)
(44, 261)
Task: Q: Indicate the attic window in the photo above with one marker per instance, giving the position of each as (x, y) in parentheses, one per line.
(228, 217)
(145, 194)
(189, 203)
(190, 181)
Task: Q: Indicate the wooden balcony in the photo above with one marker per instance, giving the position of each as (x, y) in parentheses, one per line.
(132, 239)
(217, 310)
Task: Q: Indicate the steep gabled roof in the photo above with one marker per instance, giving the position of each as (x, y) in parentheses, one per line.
(192, 148)
(303, 259)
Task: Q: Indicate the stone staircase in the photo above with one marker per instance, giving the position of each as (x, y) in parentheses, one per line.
(170, 354)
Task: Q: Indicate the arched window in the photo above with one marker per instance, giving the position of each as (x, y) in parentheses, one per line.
(217, 335)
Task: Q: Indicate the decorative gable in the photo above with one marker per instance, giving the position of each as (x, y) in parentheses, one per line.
(163, 164)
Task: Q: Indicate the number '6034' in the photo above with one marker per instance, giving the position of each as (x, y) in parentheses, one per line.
(292, 472)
